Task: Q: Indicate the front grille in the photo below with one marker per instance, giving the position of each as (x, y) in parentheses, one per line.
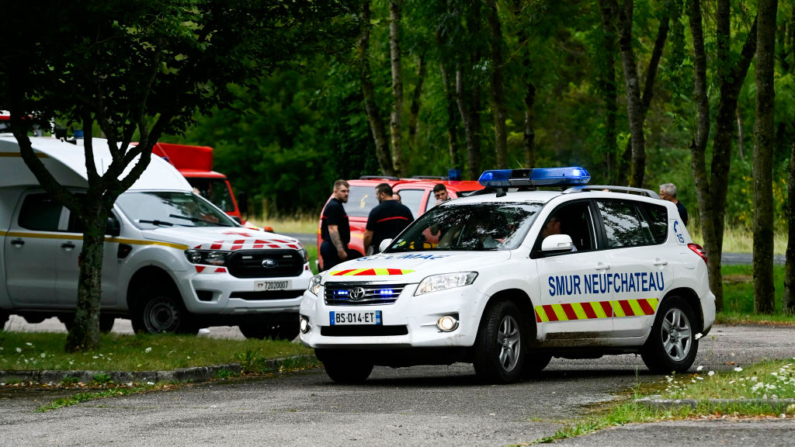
(248, 263)
(363, 331)
(268, 295)
(347, 294)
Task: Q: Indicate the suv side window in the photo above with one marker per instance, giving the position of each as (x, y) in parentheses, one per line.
(658, 221)
(624, 226)
(576, 221)
(40, 213)
(412, 198)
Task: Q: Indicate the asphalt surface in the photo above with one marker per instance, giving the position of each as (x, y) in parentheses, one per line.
(410, 406)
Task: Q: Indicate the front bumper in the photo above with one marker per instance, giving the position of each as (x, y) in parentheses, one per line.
(418, 314)
(223, 294)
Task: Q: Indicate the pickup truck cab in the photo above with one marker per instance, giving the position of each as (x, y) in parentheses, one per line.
(173, 261)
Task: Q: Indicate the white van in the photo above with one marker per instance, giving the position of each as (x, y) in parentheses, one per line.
(173, 261)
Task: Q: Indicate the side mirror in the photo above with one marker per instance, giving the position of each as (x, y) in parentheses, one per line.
(112, 228)
(242, 203)
(557, 243)
(384, 245)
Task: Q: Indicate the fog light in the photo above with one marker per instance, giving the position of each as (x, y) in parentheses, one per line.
(447, 324)
(305, 327)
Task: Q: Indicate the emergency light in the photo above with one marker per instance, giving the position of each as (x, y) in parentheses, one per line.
(511, 178)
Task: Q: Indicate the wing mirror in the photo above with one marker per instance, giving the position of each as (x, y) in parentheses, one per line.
(112, 228)
(557, 243)
(384, 245)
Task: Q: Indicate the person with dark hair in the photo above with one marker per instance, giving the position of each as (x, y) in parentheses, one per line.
(335, 229)
(668, 192)
(441, 194)
(386, 220)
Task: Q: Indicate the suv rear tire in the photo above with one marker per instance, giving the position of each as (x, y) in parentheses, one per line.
(501, 345)
(672, 344)
(162, 313)
(275, 331)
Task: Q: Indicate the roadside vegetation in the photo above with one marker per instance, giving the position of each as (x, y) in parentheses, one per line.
(44, 351)
(766, 380)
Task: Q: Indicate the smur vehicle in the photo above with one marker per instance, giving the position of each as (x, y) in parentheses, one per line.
(514, 275)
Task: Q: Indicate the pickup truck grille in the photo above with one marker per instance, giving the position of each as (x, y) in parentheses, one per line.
(249, 263)
(353, 294)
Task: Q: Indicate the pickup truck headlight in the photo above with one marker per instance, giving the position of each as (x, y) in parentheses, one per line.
(208, 257)
(305, 254)
(446, 281)
(314, 284)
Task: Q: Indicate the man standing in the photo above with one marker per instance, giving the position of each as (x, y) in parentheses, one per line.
(386, 220)
(668, 192)
(335, 229)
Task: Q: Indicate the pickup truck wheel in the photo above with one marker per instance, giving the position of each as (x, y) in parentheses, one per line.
(275, 331)
(672, 344)
(500, 348)
(163, 314)
(344, 368)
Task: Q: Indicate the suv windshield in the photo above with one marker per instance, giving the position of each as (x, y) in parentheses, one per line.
(151, 210)
(471, 227)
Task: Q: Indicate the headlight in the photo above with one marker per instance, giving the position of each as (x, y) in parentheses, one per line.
(436, 283)
(305, 254)
(209, 257)
(314, 284)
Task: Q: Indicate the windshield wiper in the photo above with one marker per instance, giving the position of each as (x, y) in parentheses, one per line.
(159, 223)
(196, 219)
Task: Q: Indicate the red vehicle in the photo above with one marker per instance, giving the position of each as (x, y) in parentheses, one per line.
(196, 164)
(416, 193)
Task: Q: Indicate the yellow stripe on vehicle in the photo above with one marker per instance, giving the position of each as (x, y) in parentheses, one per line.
(636, 307)
(597, 309)
(559, 312)
(581, 315)
(77, 237)
(617, 310)
(653, 303)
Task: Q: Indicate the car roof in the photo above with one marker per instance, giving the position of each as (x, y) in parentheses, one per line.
(545, 196)
(454, 185)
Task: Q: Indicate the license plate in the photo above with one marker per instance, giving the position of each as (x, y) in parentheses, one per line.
(361, 317)
(263, 286)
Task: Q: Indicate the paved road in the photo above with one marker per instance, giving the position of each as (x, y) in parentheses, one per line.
(411, 406)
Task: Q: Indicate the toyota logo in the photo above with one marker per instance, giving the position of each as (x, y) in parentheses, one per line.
(357, 294)
(269, 263)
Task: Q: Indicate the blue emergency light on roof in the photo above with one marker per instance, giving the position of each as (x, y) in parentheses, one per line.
(512, 178)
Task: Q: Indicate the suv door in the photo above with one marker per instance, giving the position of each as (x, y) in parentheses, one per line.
(641, 262)
(30, 249)
(68, 267)
(573, 306)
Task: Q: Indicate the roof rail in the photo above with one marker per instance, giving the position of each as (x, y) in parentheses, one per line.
(430, 177)
(378, 177)
(610, 188)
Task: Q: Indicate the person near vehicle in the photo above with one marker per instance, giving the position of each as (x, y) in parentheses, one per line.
(553, 227)
(387, 219)
(668, 192)
(441, 194)
(335, 229)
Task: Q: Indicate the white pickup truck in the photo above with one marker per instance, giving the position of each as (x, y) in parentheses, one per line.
(173, 261)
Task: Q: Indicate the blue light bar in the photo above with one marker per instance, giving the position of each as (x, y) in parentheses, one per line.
(505, 178)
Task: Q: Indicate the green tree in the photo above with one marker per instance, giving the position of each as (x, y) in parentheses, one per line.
(141, 68)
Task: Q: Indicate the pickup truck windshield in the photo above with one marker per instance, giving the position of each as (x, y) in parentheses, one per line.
(160, 209)
(472, 227)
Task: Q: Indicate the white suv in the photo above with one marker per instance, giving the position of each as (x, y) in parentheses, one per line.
(173, 262)
(510, 277)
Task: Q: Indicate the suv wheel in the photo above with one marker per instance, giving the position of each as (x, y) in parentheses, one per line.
(275, 331)
(672, 345)
(342, 367)
(163, 314)
(500, 348)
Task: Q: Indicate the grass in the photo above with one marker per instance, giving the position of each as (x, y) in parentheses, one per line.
(738, 289)
(84, 397)
(740, 240)
(305, 225)
(766, 380)
(44, 351)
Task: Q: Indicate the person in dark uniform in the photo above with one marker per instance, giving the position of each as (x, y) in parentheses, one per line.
(668, 192)
(335, 229)
(387, 219)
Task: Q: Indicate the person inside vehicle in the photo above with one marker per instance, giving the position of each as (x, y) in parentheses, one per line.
(553, 226)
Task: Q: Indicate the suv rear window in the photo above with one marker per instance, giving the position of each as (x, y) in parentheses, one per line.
(658, 221)
(624, 226)
(40, 213)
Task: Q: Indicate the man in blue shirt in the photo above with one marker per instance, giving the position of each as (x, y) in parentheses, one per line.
(668, 192)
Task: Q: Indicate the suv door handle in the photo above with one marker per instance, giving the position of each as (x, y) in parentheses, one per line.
(602, 266)
(18, 243)
(68, 246)
(659, 262)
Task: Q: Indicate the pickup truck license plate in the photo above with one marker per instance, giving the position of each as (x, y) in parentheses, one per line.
(361, 317)
(264, 286)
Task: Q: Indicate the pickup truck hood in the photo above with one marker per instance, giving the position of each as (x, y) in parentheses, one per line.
(412, 267)
(221, 238)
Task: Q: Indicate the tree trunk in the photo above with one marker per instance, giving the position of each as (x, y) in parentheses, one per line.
(634, 108)
(529, 139)
(468, 108)
(607, 88)
(763, 157)
(789, 268)
(741, 134)
(452, 119)
(368, 91)
(416, 102)
(497, 87)
(395, 126)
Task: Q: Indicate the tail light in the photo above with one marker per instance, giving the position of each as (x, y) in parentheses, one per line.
(697, 249)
